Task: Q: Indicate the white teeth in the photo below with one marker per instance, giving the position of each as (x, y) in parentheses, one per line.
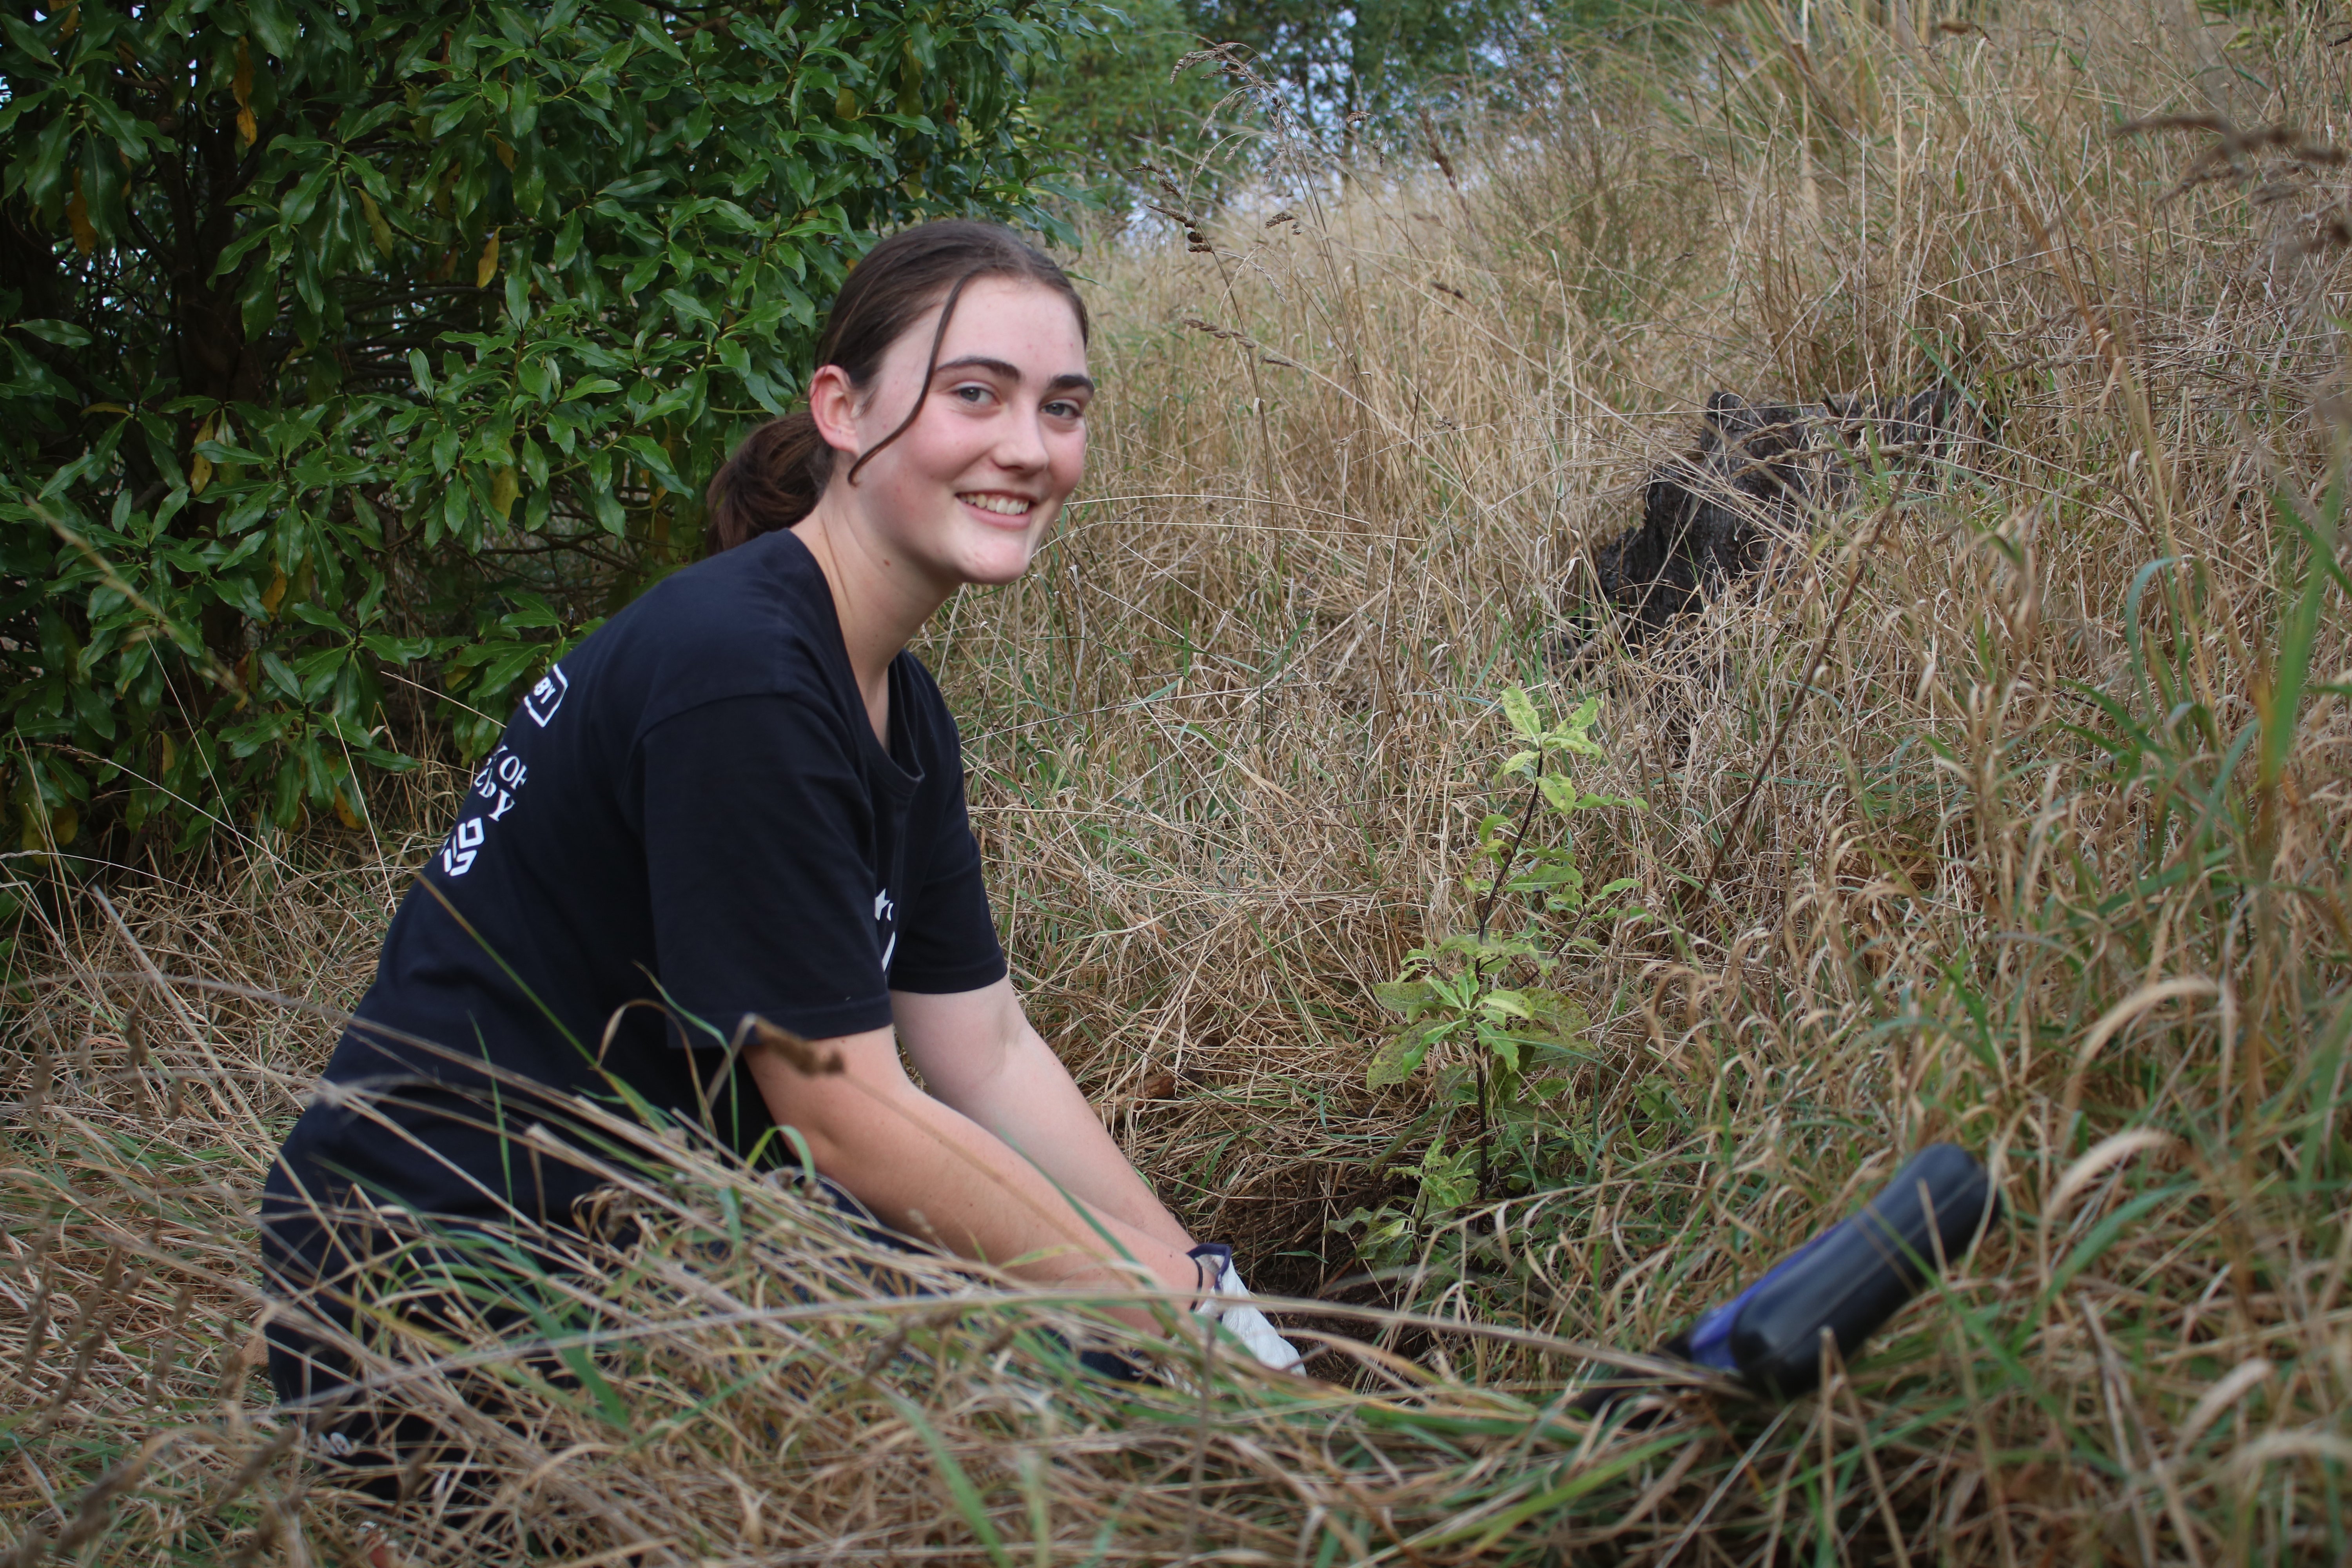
(1003, 506)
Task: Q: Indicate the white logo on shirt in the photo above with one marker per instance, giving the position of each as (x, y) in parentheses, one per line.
(548, 695)
(886, 912)
(457, 855)
(500, 775)
(497, 781)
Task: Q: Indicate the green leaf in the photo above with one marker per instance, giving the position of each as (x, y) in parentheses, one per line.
(1506, 1005)
(65, 334)
(1396, 1061)
(1520, 709)
(22, 35)
(1407, 996)
(1558, 792)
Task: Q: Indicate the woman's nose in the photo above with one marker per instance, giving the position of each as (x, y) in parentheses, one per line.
(1022, 445)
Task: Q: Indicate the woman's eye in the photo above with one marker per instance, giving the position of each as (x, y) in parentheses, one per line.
(1065, 411)
(972, 394)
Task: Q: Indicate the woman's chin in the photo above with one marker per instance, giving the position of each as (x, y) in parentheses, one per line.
(996, 568)
(1001, 559)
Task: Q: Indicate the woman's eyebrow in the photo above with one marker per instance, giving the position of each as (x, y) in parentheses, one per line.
(981, 362)
(1011, 373)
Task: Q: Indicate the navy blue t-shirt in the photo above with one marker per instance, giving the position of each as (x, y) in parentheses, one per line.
(690, 819)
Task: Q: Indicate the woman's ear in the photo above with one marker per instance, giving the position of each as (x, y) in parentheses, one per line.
(833, 404)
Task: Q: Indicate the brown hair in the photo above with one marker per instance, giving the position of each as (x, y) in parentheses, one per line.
(778, 470)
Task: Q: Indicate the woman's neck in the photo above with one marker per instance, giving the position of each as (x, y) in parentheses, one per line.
(880, 602)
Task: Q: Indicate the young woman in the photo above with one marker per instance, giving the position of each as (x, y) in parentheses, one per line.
(740, 799)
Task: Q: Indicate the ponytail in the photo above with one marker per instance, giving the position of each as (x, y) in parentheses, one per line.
(772, 481)
(778, 470)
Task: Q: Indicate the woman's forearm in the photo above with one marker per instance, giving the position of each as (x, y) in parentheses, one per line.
(1032, 1104)
(927, 1169)
(978, 1052)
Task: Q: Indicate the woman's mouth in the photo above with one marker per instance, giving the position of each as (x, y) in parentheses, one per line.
(998, 503)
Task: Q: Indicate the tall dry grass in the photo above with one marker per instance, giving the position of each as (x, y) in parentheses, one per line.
(2049, 860)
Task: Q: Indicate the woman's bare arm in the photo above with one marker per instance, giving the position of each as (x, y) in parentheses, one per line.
(928, 1169)
(978, 1052)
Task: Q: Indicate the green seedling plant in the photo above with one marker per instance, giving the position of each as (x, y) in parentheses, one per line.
(1483, 999)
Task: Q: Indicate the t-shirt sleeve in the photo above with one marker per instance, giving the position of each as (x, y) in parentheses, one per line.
(756, 826)
(949, 944)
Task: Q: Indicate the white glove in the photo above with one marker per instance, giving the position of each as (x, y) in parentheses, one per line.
(1248, 1324)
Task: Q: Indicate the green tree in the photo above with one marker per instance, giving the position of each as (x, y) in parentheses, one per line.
(349, 339)
(1379, 69)
(1340, 65)
(1118, 102)
(1456, 991)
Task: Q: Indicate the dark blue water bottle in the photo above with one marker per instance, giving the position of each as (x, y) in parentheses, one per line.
(1849, 1280)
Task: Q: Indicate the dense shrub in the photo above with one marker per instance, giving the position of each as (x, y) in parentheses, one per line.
(395, 337)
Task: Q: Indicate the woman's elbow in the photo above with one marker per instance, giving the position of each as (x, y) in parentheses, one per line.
(850, 1130)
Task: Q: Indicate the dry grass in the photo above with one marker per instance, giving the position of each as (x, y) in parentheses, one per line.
(2050, 862)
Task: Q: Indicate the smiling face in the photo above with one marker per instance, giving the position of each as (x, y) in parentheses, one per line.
(970, 490)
